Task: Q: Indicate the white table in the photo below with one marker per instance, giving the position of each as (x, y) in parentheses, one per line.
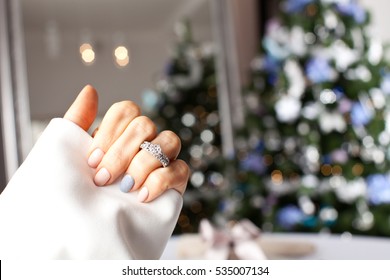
(326, 246)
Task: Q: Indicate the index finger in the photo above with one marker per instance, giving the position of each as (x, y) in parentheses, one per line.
(83, 110)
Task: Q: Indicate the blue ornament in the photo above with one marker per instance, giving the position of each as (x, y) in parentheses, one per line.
(290, 216)
(354, 10)
(339, 91)
(274, 49)
(310, 221)
(253, 162)
(327, 159)
(360, 114)
(294, 6)
(150, 100)
(259, 147)
(271, 66)
(318, 70)
(222, 205)
(272, 79)
(169, 68)
(385, 84)
(378, 189)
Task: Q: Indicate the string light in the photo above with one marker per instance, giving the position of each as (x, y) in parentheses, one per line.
(196, 207)
(183, 221)
(277, 177)
(268, 160)
(326, 169)
(357, 169)
(337, 170)
(121, 55)
(87, 54)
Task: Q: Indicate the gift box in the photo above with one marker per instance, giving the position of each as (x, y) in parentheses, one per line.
(243, 240)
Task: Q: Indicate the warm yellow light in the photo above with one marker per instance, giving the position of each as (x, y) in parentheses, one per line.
(196, 207)
(277, 177)
(357, 169)
(337, 170)
(183, 221)
(122, 62)
(326, 169)
(268, 160)
(121, 53)
(294, 176)
(84, 47)
(88, 56)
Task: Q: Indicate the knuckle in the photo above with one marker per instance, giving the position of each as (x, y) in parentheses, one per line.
(126, 108)
(171, 138)
(157, 180)
(115, 159)
(136, 167)
(145, 125)
(182, 169)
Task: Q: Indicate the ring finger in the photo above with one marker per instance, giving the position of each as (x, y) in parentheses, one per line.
(122, 151)
(175, 176)
(144, 162)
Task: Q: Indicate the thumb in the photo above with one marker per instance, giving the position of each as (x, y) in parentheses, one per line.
(83, 110)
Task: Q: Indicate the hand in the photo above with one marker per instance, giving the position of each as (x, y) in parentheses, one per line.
(115, 149)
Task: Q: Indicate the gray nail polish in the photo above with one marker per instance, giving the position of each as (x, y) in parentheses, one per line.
(127, 183)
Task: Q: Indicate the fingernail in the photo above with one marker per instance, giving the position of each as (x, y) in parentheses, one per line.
(143, 194)
(95, 158)
(127, 183)
(102, 177)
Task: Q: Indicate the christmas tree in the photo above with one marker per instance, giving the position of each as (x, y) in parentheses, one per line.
(314, 155)
(185, 101)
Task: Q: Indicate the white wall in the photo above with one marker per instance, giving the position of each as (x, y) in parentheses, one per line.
(54, 83)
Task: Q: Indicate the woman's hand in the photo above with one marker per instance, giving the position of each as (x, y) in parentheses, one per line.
(115, 149)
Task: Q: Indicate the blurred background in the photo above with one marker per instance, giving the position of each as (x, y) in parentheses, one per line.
(282, 106)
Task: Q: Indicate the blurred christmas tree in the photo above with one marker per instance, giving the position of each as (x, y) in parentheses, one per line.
(315, 152)
(185, 101)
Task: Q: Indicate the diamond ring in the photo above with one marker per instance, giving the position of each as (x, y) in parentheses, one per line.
(156, 151)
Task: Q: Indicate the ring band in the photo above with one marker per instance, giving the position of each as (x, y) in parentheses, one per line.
(156, 151)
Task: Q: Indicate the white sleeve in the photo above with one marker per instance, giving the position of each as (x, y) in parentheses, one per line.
(51, 209)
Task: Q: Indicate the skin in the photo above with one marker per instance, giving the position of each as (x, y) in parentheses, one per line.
(115, 148)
